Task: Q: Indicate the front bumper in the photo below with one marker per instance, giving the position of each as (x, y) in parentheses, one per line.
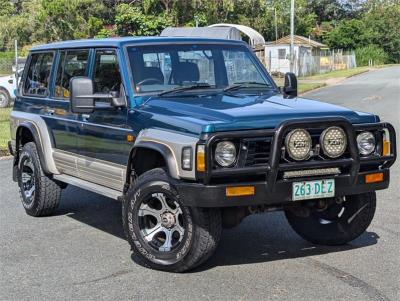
(201, 195)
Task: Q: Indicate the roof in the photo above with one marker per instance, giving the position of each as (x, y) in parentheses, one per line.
(298, 40)
(121, 41)
(255, 37)
(230, 33)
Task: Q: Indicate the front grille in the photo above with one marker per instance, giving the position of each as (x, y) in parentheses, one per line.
(258, 152)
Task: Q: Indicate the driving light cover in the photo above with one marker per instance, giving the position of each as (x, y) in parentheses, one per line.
(225, 153)
(298, 144)
(366, 143)
(333, 141)
(187, 158)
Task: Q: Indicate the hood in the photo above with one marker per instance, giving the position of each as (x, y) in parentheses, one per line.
(214, 113)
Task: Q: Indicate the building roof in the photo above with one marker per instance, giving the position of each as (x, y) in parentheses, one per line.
(298, 40)
(255, 37)
(230, 33)
(119, 42)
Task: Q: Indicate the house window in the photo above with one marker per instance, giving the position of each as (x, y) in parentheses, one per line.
(282, 54)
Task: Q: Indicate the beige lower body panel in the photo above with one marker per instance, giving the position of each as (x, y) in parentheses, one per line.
(93, 170)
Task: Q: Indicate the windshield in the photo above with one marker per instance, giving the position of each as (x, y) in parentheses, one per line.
(158, 69)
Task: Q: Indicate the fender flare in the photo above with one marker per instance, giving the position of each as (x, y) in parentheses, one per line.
(165, 152)
(36, 138)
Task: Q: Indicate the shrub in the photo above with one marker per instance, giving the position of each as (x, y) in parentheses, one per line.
(371, 52)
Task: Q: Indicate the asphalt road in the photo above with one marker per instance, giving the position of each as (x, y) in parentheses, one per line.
(80, 253)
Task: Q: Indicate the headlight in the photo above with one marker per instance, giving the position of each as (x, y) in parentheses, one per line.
(333, 141)
(225, 153)
(298, 144)
(366, 143)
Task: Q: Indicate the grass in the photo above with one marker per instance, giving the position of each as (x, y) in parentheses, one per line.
(337, 74)
(4, 130)
(305, 87)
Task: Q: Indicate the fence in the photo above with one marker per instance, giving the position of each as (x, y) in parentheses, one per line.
(307, 63)
(6, 65)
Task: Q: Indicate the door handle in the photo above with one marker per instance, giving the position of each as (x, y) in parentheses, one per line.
(85, 117)
(50, 112)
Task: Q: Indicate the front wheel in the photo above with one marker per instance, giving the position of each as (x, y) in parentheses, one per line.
(163, 233)
(339, 223)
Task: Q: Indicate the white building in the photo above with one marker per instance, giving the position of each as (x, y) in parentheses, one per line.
(277, 55)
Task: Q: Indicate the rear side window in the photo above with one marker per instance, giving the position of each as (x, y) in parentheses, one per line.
(38, 74)
(72, 63)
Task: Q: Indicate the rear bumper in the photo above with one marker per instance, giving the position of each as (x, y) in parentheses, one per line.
(201, 195)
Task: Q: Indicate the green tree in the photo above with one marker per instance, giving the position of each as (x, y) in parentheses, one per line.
(131, 20)
(349, 34)
(69, 19)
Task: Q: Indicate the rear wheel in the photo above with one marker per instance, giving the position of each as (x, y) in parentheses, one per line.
(163, 233)
(338, 223)
(40, 195)
(5, 98)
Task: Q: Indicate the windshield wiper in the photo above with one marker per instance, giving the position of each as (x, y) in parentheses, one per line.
(186, 88)
(245, 85)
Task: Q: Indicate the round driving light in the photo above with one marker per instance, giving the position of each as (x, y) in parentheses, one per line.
(225, 153)
(333, 141)
(298, 144)
(366, 143)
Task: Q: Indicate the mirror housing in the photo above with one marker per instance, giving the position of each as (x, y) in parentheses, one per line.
(81, 95)
(290, 88)
(83, 100)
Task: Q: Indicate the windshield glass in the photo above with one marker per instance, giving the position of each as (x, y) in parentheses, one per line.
(161, 68)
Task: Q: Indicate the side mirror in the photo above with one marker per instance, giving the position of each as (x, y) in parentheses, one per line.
(81, 95)
(118, 99)
(290, 87)
(83, 100)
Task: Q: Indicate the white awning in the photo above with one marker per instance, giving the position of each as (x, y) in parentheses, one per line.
(255, 37)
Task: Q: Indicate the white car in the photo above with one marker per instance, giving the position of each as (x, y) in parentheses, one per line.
(7, 89)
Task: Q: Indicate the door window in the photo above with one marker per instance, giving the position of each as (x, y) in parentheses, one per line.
(72, 63)
(106, 75)
(38, 75)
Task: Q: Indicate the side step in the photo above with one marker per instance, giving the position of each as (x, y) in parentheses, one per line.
(108, 192)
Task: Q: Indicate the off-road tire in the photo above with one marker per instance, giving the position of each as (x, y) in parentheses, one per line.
(47, 192)
(202, 233)
(5, 102)
(357, 216)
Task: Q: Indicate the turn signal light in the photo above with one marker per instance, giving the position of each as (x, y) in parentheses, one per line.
(386, 147)
(200, 159)
(240, 191)
(374, 178)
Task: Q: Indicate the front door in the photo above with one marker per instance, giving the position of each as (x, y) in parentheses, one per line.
(102, 142)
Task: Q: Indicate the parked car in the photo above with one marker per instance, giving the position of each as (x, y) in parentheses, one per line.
(191, 135)
(8, 85)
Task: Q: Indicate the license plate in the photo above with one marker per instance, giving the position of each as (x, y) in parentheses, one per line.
(313, 189)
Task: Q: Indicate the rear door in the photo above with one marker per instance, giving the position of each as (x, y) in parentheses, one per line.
(102, 141)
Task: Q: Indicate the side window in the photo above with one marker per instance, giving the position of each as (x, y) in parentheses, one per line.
(38, 75)
(106, 74)
(72, 63)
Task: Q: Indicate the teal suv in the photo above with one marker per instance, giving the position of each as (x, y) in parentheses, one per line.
(191, 135)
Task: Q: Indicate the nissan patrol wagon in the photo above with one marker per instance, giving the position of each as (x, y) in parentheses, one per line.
(191, 135)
